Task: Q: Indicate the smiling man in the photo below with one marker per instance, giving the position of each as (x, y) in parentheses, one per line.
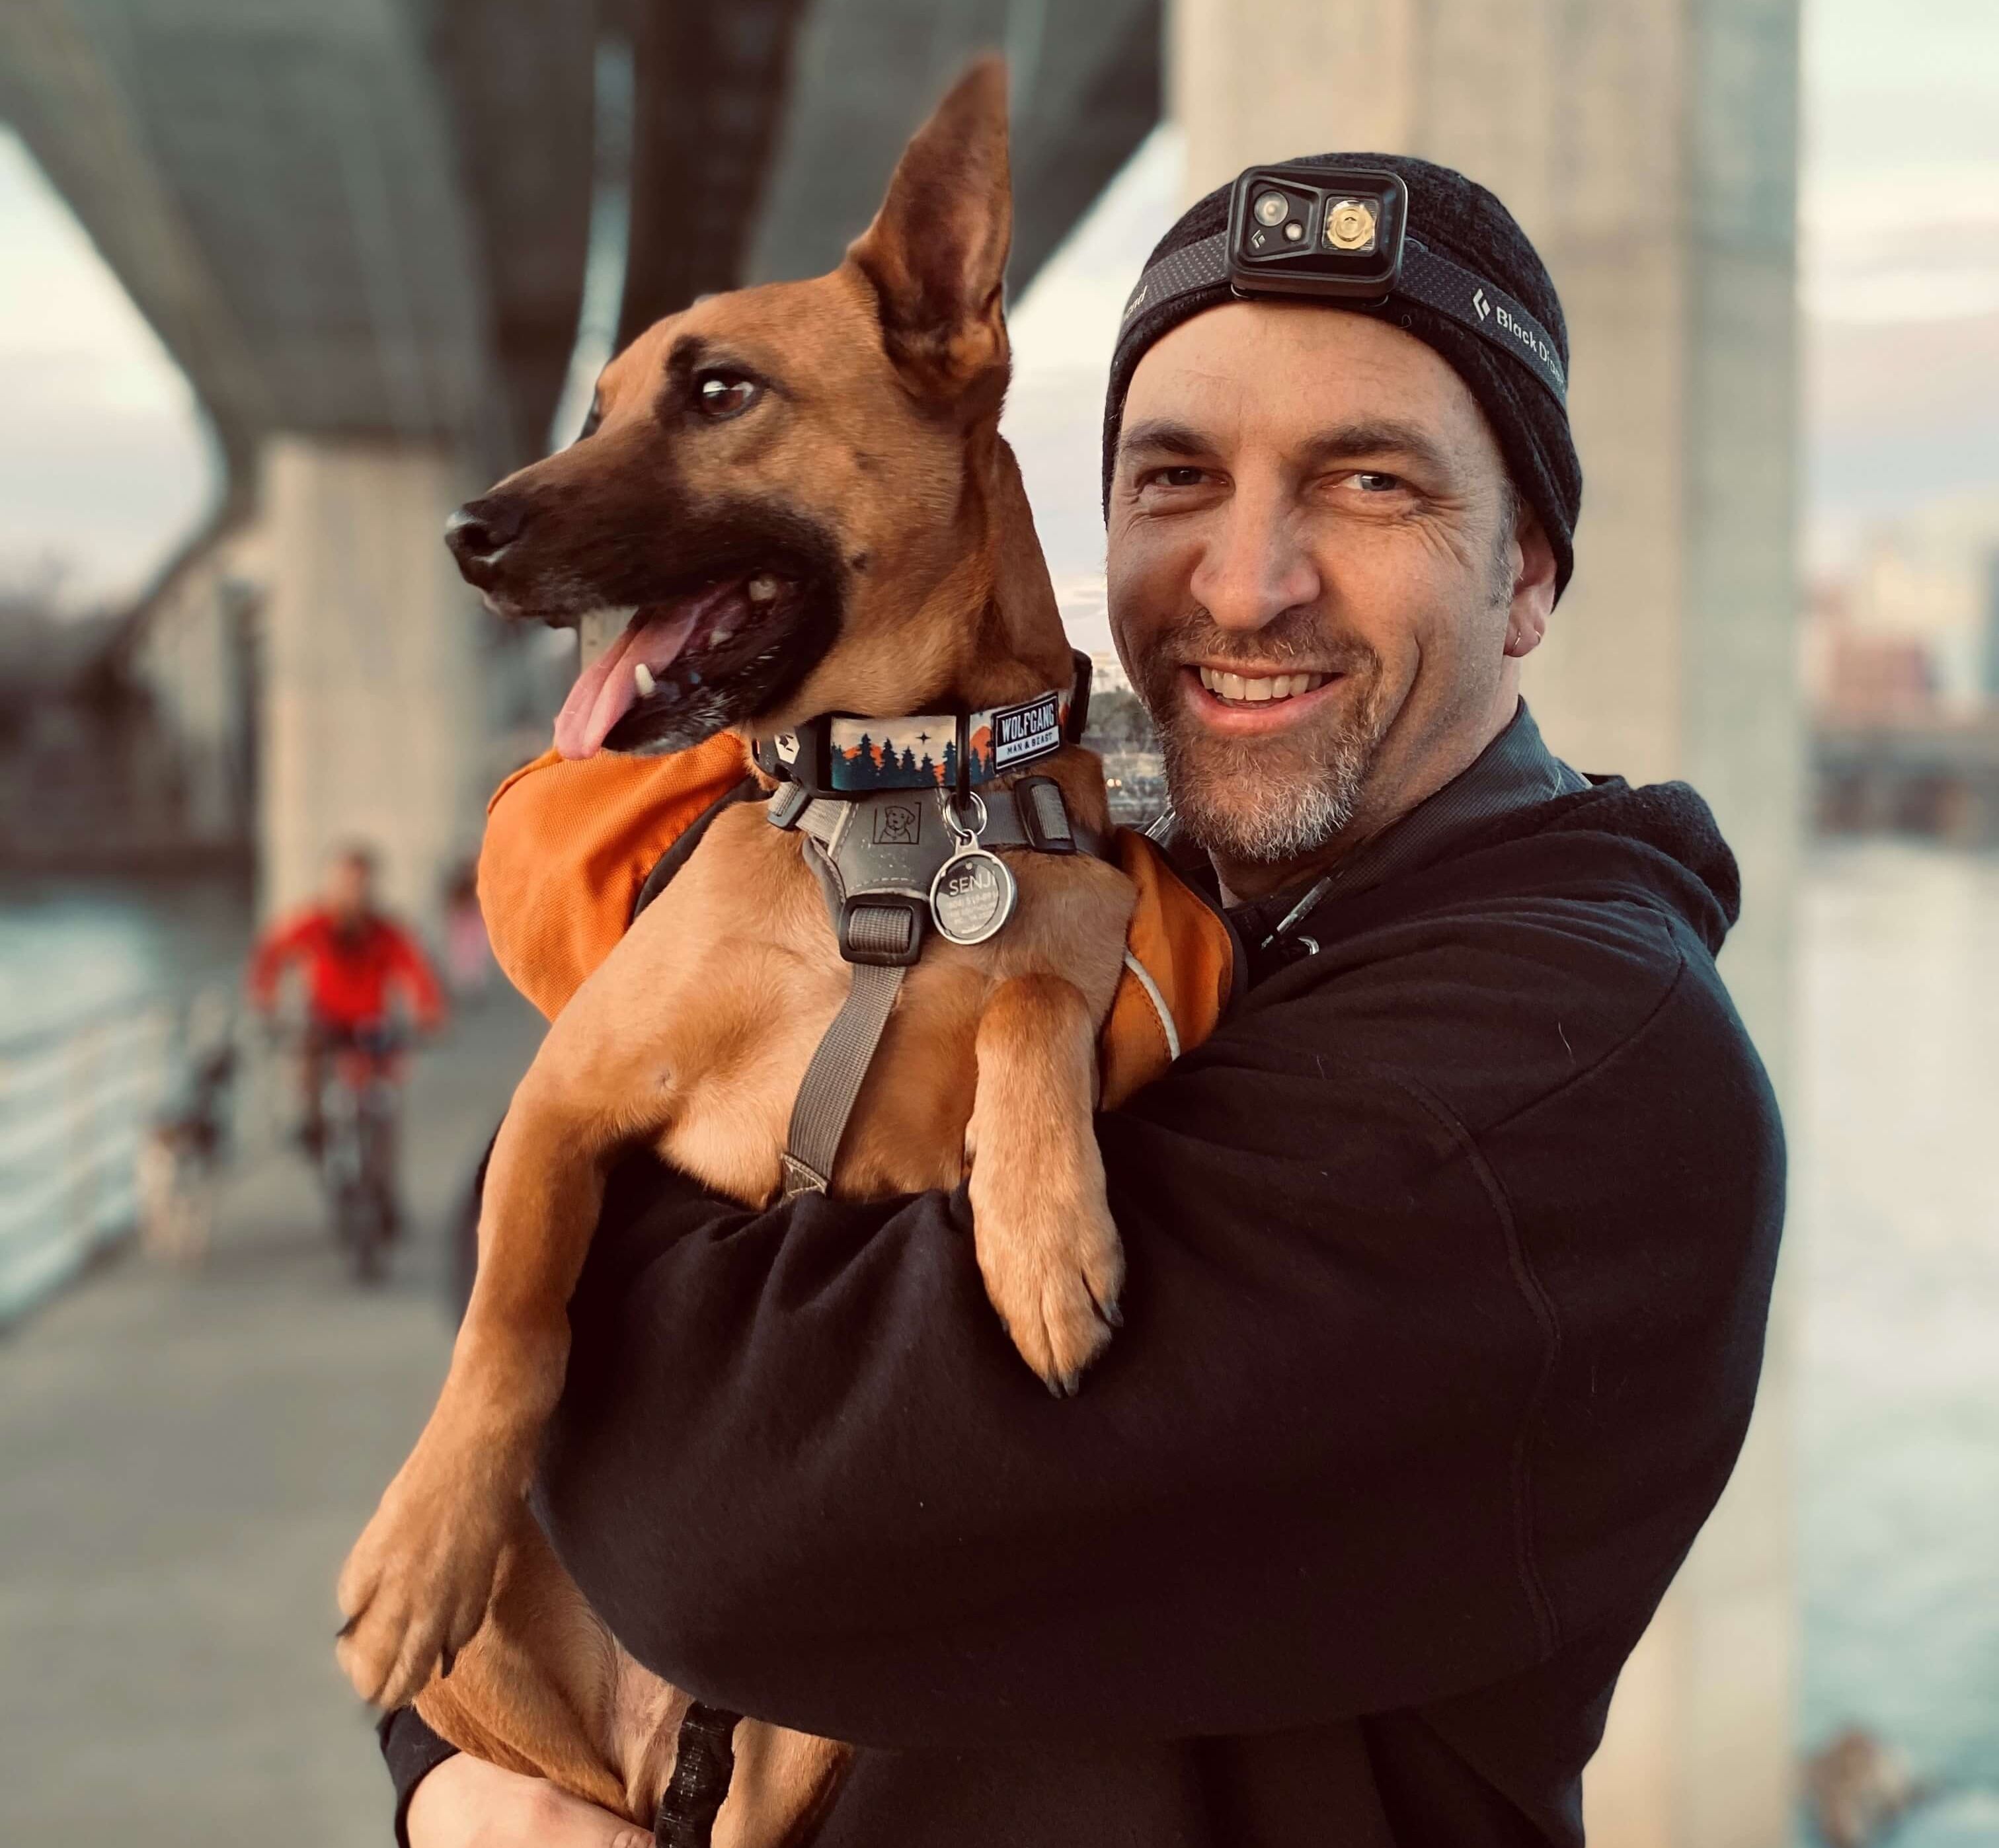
(1450, 1250)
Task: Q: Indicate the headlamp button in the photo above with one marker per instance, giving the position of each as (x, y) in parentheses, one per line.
(1349, 225)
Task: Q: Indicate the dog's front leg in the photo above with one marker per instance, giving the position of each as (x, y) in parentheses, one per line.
(415, 1589)
(1050, 1255)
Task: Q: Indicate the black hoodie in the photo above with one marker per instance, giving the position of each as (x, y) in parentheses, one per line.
(1450, 1257)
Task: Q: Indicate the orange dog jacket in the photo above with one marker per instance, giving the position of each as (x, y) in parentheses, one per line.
(568, 845)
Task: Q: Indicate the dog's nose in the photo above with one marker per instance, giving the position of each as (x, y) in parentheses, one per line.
(482, 529)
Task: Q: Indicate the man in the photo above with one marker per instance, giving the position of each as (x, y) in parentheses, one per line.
(355, 959)
(1450, 1250)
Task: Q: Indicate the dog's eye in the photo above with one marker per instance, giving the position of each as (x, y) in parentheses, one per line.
(590, 422)
(725, 394)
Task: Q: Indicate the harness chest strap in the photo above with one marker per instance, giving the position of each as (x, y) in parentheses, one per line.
(876, 856)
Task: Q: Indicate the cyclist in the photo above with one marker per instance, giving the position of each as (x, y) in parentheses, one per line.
(354, 956)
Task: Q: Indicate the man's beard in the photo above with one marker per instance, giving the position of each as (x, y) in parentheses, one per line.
(1264, 801)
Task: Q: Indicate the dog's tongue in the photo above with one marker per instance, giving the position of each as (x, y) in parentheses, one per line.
(605, 690)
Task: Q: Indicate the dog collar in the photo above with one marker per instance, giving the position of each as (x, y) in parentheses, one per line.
(846, 754)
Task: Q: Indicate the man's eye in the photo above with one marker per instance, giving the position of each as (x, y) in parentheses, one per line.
(1185, 476)
(723, 394)
(1372, 481)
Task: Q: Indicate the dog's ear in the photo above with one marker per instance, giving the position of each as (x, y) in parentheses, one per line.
(935, 253)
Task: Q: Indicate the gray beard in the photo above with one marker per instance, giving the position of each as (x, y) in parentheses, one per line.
(1240, 812)
(1264, 801)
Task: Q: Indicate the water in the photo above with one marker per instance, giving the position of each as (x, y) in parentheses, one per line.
(1896, 1224)
(72, 947)
(1895, 1236)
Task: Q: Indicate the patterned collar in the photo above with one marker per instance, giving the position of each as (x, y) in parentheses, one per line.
(840, 754)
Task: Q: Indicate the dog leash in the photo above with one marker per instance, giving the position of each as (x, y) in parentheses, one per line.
(704, 1762)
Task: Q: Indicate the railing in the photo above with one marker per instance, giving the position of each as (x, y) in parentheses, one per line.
(75, 1102)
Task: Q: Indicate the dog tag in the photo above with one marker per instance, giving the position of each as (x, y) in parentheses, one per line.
(972, 895)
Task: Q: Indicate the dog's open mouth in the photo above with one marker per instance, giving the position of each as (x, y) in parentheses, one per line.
(668, 651)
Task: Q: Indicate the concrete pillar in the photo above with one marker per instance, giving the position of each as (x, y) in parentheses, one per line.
(373, 707)
(1649, 148)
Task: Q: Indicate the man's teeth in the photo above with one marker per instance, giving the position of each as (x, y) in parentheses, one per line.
(641, 677)
(1277, 687)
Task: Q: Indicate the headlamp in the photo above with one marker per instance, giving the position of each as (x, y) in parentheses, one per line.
(1324, 233)
(1342, 234)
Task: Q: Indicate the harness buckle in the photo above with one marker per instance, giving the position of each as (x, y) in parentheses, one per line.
(882, 930)
(788, 802)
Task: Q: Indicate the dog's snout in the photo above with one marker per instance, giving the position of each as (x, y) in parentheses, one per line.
(480, 530)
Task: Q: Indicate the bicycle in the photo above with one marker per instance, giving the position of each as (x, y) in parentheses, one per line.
(360, 1107)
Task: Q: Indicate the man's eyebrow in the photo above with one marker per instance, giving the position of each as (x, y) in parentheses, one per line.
(1163, 433)
(1374, 436)
(1346, 442)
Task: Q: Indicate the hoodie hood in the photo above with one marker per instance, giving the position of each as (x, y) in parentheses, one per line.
(1663, 835)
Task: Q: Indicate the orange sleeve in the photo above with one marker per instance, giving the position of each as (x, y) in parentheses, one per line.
(568, 845)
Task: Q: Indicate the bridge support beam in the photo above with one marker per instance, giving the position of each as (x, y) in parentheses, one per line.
(373, 700)
(1649, 148)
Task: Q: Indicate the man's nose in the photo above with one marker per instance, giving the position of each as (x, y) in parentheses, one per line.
(480, 530)
(1255, 568)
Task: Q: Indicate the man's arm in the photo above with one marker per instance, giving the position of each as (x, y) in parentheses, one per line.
(286, 939)
(408, 960)
(800, 1470)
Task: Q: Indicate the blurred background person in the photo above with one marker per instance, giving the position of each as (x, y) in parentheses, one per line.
(468, 955)
(356, 964)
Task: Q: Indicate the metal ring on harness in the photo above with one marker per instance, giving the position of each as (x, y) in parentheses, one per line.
(964, 835)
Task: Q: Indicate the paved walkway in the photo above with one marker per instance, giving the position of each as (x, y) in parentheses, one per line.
(184, 1459)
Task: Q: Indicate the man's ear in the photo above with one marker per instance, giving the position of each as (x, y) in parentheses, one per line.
(935, 253)
(1533, 596)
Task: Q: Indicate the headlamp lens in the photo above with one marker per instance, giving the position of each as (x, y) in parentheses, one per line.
(1271, 209)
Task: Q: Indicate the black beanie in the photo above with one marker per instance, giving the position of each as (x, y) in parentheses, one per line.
(1458, 219)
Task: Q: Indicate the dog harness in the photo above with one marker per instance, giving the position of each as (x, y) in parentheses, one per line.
(902, 843)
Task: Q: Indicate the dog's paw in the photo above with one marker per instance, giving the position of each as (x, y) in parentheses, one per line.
(415, 1589)
(1054, 1278)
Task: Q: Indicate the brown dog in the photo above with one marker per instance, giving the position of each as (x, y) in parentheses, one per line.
(801, 492)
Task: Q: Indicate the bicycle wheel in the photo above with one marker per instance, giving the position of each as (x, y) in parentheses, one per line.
(362, 1229)
(375, 1215)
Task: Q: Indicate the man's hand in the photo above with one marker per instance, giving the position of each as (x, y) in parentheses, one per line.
(467, 1803)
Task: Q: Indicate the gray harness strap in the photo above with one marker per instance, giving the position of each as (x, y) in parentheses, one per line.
(832, 1080)
(876, 855)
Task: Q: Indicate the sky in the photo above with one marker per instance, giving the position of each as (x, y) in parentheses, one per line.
(105, 465)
